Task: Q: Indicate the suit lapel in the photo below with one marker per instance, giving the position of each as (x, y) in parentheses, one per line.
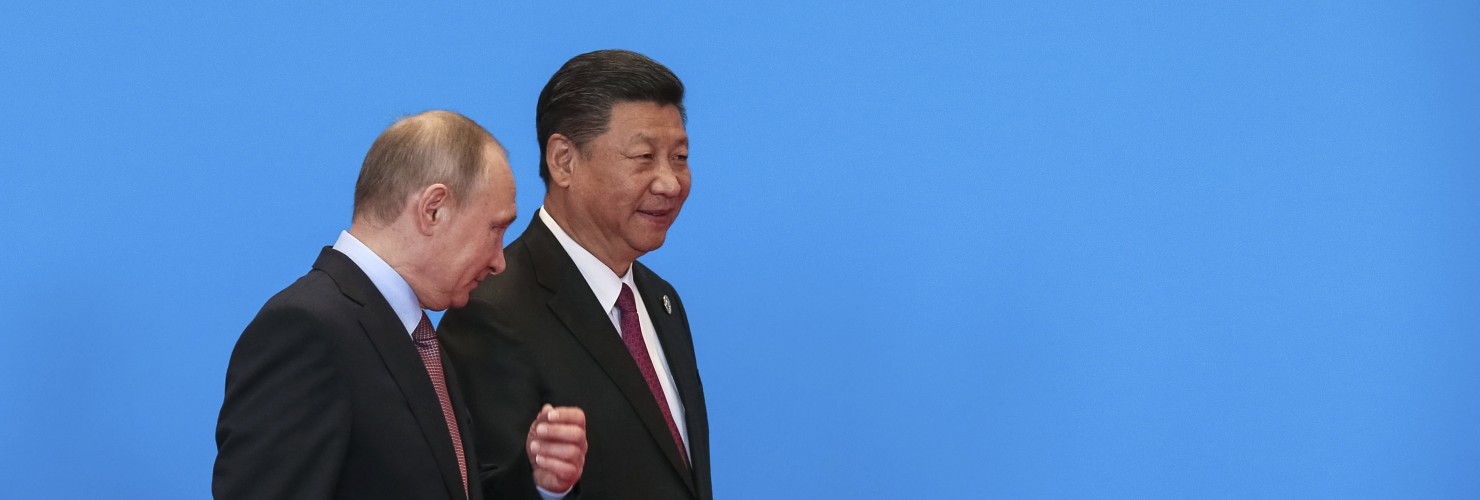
(673, 332)
(398, 352)
(577, 308)
(464, 426)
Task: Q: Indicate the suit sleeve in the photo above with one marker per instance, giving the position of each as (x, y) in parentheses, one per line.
(502, 390)
(285, 421)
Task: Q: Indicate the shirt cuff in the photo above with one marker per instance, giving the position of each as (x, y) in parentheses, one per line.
(545, 494)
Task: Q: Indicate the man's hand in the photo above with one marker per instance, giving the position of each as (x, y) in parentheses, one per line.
(557, 447)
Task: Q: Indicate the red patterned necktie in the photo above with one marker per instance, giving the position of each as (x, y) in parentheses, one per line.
(431, 356)
(632, 336)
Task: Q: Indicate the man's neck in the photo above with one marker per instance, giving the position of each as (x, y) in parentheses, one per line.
(576, 233)
(389, 246)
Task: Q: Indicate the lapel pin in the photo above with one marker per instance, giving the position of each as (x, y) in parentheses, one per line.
(667, 306)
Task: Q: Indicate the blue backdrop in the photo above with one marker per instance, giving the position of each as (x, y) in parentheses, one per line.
(934, 249)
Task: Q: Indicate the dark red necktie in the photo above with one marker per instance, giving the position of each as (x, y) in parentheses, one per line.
(632, 336)
(431, 356)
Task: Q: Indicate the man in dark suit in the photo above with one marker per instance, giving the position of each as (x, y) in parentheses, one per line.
(576, 320)
(338, 389)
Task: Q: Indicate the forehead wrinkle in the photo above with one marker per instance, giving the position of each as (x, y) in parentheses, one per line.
(640, 137)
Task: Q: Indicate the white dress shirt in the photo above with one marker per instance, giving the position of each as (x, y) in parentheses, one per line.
(607, 286)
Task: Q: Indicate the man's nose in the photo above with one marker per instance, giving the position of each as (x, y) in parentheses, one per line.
(667, 183)
(498, 264)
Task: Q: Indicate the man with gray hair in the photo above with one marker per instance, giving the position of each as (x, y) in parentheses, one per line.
(338, 389)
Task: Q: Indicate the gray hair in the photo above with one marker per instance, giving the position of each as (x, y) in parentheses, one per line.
(418, 151)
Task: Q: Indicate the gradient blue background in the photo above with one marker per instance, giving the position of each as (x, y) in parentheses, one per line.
(933, 250)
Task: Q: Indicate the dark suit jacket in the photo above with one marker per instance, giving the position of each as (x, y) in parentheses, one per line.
(535, 334)
(326, 397)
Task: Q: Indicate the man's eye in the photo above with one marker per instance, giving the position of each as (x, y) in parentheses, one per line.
(681, 157)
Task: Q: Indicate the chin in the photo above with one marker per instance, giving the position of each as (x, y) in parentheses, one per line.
(652, 243)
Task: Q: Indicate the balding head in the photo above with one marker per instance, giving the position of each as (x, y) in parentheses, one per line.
(417, 151)
(434, 198)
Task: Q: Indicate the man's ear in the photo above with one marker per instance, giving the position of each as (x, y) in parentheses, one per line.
(560, 153)
(431, 206)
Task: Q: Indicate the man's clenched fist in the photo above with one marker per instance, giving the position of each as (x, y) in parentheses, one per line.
(557, 447)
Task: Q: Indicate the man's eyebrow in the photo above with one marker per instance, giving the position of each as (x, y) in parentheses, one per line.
(644, 138)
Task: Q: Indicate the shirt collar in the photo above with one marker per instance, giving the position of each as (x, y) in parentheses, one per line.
(603, 282)
(392, 286)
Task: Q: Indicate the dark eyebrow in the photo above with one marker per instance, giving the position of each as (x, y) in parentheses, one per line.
(643, 138)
